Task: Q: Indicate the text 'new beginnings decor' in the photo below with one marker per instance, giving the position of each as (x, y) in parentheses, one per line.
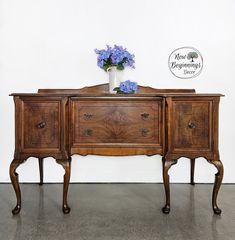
(185, 62)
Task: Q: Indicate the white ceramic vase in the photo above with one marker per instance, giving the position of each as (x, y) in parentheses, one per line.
(114, 78)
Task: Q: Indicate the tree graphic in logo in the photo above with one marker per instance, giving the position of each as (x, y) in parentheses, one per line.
(192, 55)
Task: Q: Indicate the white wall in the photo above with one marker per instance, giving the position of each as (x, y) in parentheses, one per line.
(49, 44)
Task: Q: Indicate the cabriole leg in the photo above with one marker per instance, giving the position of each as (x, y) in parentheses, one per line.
(66, 164)
(218, 180)
(15, 182)
(166, 166)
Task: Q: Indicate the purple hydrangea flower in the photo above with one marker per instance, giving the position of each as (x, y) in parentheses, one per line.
(128, 87)
(114, 56)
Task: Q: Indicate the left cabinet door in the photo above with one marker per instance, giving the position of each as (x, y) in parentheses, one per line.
(41, 126)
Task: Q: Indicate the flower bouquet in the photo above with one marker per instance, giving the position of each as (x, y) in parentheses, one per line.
(113, 59)
(114, 56)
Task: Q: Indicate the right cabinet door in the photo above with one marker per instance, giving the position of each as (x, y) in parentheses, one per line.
(192, 124)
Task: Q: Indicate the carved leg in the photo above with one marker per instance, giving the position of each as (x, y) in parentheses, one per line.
(218, 180)
(166, 166)
(192, 171)
(15, 182)
(40, 162)
(66, 164)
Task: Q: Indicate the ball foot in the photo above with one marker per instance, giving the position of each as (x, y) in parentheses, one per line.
(217, 210)
(166, 209)
(66, 209)
(16, 210)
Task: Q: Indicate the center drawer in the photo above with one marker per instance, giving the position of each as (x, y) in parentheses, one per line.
(115, 121)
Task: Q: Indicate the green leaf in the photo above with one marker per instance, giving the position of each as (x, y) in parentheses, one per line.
(120, 67)
(105, 67)
(118, 90)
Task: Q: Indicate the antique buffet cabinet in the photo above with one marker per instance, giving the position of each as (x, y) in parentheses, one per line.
(59, 123)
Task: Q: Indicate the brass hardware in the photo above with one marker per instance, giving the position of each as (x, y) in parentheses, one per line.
(145, 132)
(144, 116)
(88, 132)
(191, 125)
(88, 116)
(41, 125)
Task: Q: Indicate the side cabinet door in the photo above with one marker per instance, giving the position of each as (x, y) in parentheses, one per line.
(41, 126)
(192, 125)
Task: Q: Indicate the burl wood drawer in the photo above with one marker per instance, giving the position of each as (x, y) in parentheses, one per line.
(192, 125)
(40, 125)
(116, 122)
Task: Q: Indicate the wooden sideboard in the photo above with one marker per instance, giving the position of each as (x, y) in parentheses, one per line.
(59, 123)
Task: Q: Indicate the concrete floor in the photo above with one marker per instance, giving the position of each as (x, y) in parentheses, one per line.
(117, 212)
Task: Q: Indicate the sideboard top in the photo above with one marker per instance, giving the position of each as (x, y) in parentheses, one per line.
(102, 90)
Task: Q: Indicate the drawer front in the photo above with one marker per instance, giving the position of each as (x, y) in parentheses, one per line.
(192, 125)
(41, 125)
(116, 122)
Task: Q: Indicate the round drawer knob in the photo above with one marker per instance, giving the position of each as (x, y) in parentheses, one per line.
(191, 125)
(41, 125)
